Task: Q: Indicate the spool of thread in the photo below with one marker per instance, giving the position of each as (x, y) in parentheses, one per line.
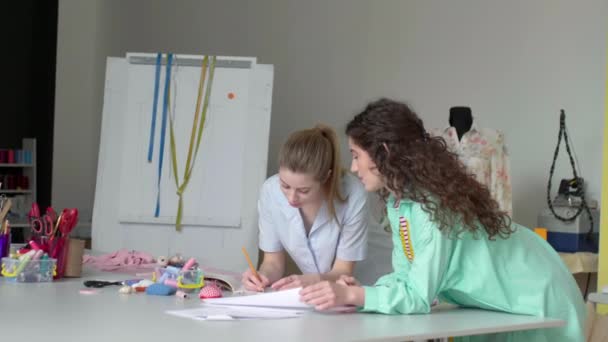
(44, 263)
(10, 182)
(188, 265)
(24, 182)
(34, 245)
(29, 254)
(171, 282)
(125, 290)
(26, 259)
(38, 254)
(173, 270)
(163, 278)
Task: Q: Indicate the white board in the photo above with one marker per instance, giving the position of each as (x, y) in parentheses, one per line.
(210, 241)
(216, 178)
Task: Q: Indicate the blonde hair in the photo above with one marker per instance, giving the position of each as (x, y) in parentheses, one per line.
(316, 152)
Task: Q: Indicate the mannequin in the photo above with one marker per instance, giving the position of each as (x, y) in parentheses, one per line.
(461, 119)
(483, 153)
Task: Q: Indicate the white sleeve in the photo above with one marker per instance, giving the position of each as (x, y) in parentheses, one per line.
(352, 244)
(500, 176)
(269, 240)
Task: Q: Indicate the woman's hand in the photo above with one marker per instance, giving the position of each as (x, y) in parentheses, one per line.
(253, 283)
(326, 295)
(348, 280)
(294, 281)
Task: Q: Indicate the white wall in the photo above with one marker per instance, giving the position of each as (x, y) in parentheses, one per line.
(78, 99)
(516, 63)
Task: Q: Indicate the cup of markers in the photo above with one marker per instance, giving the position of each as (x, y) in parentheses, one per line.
(34, 266)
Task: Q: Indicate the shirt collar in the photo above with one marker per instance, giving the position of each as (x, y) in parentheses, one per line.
(323, 215)
(391, 201)
(472, 129)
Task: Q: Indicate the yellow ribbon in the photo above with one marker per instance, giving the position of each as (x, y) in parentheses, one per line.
(192, 148)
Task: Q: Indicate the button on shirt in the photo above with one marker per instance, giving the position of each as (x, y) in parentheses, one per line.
(282, 228)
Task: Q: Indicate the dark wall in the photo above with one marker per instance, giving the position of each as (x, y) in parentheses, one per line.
(27, 94)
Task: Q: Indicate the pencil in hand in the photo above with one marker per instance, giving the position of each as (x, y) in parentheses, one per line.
(253, 271)
(251, 267)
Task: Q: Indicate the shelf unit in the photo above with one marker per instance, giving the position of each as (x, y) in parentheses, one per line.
(16, 165)
(28, 170)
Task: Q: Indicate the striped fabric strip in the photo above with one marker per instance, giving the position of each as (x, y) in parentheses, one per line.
(404, 234)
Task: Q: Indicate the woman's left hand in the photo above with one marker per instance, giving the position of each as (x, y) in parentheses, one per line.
(293, 281)
(327, 294)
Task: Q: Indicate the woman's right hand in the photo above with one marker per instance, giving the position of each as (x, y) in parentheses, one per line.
(253, 283)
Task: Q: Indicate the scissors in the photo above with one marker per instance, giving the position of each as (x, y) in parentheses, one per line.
(42, 225)
(65, 223)
(69, 219)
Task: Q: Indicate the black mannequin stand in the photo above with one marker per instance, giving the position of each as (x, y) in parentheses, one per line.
(461, 118)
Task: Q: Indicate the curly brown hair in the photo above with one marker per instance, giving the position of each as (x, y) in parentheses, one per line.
(417, 166)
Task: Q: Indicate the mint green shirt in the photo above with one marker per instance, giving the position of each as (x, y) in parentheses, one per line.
(521, 274)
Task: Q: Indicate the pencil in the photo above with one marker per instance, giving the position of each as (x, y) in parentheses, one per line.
(255, 273)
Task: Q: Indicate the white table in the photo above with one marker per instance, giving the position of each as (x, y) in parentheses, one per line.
(58, 312)
(598, 298)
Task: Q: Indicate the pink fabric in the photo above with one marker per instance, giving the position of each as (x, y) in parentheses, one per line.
(121, 260)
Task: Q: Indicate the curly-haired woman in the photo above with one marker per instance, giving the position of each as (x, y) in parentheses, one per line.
(450, 239)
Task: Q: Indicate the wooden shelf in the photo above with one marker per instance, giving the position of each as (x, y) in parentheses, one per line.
(19, 225)
(27, 169)
(15, 191)
(15, 165)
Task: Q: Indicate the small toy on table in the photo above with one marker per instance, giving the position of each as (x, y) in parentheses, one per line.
(210, 290)
(162, 261)
(177, 261)
(178, 276)
(126, 289)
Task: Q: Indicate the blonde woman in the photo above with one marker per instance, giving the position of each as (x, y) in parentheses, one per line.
(313, 211)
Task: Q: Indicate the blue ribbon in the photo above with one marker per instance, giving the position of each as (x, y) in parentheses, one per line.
(163, 128)
(154, 107)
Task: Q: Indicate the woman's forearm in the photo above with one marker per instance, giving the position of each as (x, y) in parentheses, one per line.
(272, 271)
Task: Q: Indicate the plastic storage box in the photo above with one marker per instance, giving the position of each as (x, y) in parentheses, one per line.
(32, 271)
(175, 277)
(573, 236)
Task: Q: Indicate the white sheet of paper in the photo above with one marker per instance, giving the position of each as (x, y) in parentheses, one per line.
(278, 299)
(223, 313)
